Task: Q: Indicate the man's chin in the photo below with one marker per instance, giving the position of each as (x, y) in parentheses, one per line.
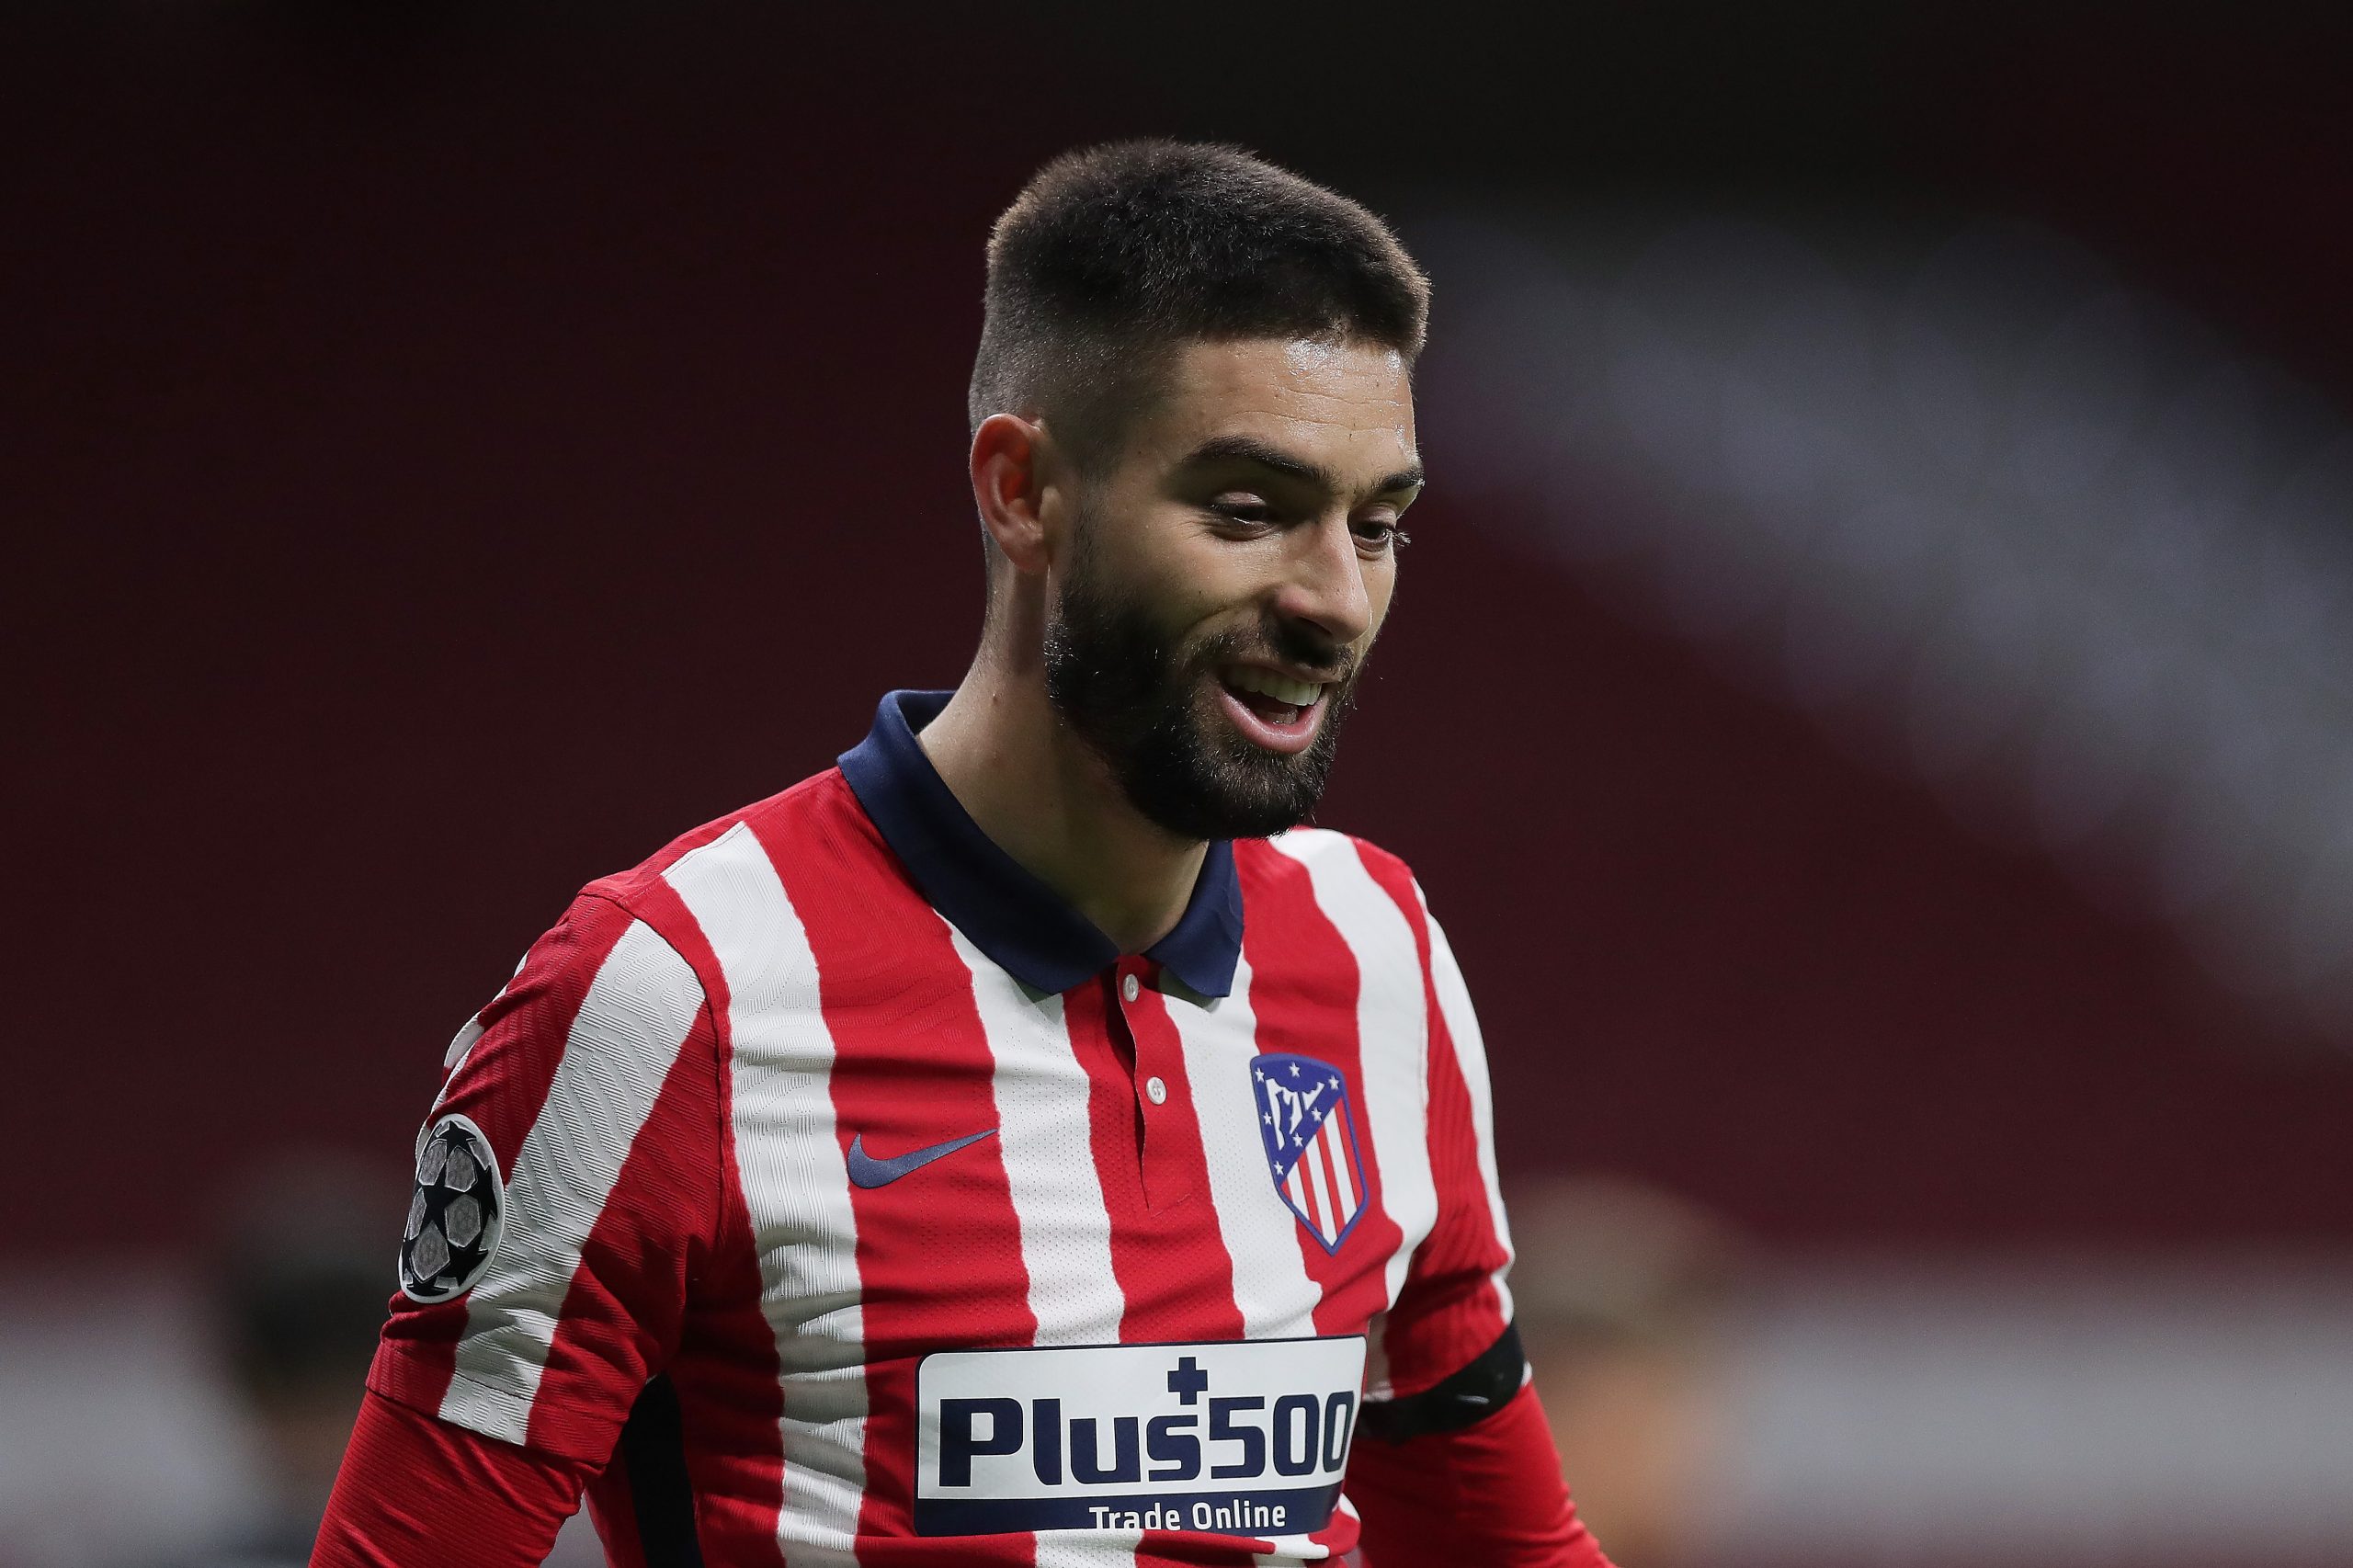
(1207, 822)
(1230, 787)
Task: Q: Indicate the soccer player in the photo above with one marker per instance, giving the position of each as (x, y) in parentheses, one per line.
(1022, 1142)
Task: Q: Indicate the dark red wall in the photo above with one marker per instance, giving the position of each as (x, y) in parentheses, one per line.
(444, 463)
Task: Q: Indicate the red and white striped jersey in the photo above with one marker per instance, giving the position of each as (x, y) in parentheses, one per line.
(865, 1205)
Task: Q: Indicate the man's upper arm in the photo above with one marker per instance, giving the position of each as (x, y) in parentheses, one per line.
(587, 1093)
(1454, 1309)
(1454, 1462)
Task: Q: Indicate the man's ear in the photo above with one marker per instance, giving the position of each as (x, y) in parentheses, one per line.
(1013, 478)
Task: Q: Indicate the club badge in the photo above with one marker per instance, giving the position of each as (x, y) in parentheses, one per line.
(1311, 1137)
(453, 1214)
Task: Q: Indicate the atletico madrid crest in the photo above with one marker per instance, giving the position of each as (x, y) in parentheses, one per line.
(1311, 1139)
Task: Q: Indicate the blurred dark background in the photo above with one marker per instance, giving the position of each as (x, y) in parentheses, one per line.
(448, 450)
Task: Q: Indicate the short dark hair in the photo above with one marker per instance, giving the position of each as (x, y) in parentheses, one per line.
(1113, 256)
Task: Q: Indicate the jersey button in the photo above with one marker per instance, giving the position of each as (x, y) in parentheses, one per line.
(1130, 989)
(1155, 1090)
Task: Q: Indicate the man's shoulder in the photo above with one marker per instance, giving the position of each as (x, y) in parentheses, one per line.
(1330, 851)
(820, 805)
(635, 943)
(1366, 890)
(701, 875)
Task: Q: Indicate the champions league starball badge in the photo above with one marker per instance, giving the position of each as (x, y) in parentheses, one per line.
(454, 1213)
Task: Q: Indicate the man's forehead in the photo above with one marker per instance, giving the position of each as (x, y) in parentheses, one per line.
(1351, 403)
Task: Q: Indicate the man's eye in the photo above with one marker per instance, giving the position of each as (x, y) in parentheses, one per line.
(1380, 533)
(1243, 509)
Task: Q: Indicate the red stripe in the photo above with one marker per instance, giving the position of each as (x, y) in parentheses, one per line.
(1303, 991)
(1100, 1041)
(1343, 1154)
(1306, 1193)
(501, 1086)
(730, 1400)
(1175, 1279)
(1171, 1260)
(1319, 1185)
(1458, 1313)
(1339, 1211)
(938, 1253)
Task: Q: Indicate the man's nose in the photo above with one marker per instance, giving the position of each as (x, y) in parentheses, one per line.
(1325, 582)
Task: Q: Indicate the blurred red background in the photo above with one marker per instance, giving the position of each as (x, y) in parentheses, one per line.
(449, 454)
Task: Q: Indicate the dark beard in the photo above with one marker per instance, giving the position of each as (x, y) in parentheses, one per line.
(1141, 705)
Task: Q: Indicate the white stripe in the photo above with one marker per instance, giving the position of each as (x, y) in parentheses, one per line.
(1043, 1133)
(1044, 1136)
(1470, 1055)
(622, 1045)
(1271, 1288)
(1087, 1549)
(1393, 1030)
(796, 1187)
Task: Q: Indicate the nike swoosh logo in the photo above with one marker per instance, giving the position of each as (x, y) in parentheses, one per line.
(867, 1170)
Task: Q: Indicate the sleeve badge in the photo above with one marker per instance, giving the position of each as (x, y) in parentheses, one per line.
(454, 1212)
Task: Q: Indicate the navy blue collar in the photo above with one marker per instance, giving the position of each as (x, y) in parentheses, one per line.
(1027, 928)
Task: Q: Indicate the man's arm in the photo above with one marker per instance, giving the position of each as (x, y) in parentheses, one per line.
(415, 1489)
(1464, 1472)
(1456, 1463)
(1489, 1493)
(566, 1190)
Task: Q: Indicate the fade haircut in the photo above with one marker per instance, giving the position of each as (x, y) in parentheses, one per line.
(1113, 257)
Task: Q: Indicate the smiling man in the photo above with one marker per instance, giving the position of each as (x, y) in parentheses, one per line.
(1023, 1142)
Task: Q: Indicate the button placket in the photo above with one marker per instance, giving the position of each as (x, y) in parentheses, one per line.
(1160, 1161)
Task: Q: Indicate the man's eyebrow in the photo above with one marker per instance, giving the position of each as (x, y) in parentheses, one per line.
(1250, 449)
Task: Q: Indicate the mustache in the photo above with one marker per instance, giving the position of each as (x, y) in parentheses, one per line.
(1294, 644)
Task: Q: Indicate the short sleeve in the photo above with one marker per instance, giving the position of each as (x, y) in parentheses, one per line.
(1454, 1305)
(566, 1191)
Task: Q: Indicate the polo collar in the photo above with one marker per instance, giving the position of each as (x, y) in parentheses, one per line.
(1025, 926)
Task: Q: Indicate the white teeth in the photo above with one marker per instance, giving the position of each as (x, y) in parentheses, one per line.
(1298, 693)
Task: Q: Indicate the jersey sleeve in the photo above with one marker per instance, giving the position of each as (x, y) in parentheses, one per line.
(1489, 1493)
(565, 1194)
(414, 1489)
(1454, 1309)
(1454, 1462)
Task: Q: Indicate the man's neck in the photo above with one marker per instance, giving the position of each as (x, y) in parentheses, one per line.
(1051, 803)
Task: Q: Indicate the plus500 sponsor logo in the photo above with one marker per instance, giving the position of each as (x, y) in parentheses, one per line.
(1247, 1438)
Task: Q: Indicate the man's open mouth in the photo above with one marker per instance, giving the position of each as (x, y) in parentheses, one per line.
(1279, 712)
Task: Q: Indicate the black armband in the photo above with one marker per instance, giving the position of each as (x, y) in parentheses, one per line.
(1468, 1397)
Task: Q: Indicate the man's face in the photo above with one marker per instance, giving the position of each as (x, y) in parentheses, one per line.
(1226, 578)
